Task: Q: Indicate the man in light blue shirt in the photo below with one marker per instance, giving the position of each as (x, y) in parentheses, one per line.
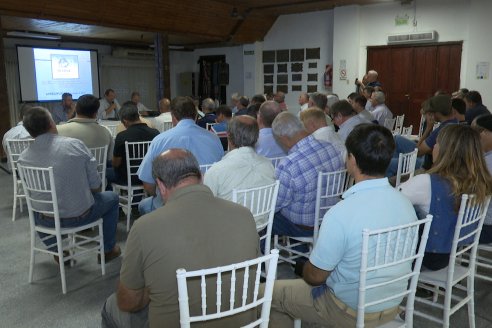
(204, 145)
(334, 263)
(266, 144)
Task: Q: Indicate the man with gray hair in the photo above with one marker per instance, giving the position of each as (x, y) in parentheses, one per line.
(344, 116)
(297, 173)
(303, 101)
(147, 293)
(208, 108)
(266, 144)
(241, 167)
(379, 109)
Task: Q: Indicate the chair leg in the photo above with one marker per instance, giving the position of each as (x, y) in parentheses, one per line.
(446, 308)
(128, 213)
(15, 199)
(31, 261)
(101, 249)
(297, 323)
(61, 261)
(470, 290)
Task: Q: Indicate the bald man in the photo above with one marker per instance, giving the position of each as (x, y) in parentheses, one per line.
(165, 117)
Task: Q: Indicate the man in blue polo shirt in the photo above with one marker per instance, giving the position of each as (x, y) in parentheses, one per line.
(205, 146)
(328, 292)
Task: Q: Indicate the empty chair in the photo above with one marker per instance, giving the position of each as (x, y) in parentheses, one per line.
(131, 193)
(389, 123)
(465, 242)
(406, 165)
(407, 131)
(276, 160)
(101, 156)
(330, 187)
(261, 202)
(399, 124)
(39, 187)
(14, 148)
(244, 275)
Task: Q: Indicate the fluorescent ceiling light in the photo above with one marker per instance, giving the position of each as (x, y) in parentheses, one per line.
(33, 35)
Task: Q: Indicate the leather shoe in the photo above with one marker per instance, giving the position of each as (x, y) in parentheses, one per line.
(111, 255)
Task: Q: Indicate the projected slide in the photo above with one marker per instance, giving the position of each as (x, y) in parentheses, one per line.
(58, 71)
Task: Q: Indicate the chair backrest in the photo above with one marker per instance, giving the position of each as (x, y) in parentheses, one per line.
(39, 187)
(204, 167)
(134, 153)
(101, 155)
(14, 148)
(111, 128)
(248, 301)
(421, 125)
(399, 124)
(330, 187)
(406, 165)
(389, 123)
(276, 160)
(208, 126)
(165, 126)
(467, 232)
(261, 202)
(407, 131)
(384, 250)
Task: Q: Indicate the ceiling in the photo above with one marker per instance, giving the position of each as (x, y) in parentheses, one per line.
(190, 24)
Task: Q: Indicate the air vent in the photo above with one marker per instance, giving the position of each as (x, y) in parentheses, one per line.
(420, 37)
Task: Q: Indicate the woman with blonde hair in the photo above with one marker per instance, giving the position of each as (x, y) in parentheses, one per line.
(458, 168)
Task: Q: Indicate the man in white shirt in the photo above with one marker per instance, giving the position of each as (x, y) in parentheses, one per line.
(241, 167)
(344, 116)
(303, 101)
(165, 118)
(108, 106)
(380, 111)
(315, 123)
(135, 98)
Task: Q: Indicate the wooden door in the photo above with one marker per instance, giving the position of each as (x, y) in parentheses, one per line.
(412, 74)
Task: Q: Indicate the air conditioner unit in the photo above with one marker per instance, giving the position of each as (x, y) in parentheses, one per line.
(414, 37)
(133, 53)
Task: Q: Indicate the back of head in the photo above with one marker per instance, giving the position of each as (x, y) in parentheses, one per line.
(224, 110)
(319, 100)
(331, 99)
(23, 109)
(287, 125)
(244, 101)
(243, 131)
(484, 121)
(258, 99)
(460, 160)
(362, 101)
(372, 147)
(313, 114)
(458, 105)
(352, 96)
(175, 165)
(208, 105)
(379, 97)
(164, 105)
(343, 107)
(87, 105)
(37, 121)
(474, 97)
(183, 108)
(438, 104)
(129, 112)
(268, 111)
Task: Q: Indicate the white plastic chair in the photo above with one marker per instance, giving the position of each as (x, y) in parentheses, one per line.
(385, 249)
(204, 168)
(243, 296)
(14, 148)
(421, 126)
(468, 226)
(101, 155)
(261, 202)
(399, 124)
(389, 123)
(134, 154)
(39, 186)
(330, 187)
(163, 126)
(111, 128)
(208, 126)
(407, 131)
(406, 165)
(276, 160)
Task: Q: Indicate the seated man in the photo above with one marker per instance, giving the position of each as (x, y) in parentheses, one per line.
(165, 117)
(135, 131)
(344, 116)
(65, 110)
(18, 131)
(109, 106)
(379, 110)
(474, 106)
(267, 145)
(186, 233)
(205, 146)
(334, 263)
(76, 180)
(142, 109)
(359, 106)
(314, 121)
(458, 106)
(241, 167)
(297, 173)
(279, 97)
(208, 108)
(242, 106)
(224, 115)
(85, 127)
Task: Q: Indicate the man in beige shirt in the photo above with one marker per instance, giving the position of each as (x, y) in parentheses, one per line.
(189, 232)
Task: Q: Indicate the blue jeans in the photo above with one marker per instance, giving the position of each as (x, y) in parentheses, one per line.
(150, 204)
(105, 206)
